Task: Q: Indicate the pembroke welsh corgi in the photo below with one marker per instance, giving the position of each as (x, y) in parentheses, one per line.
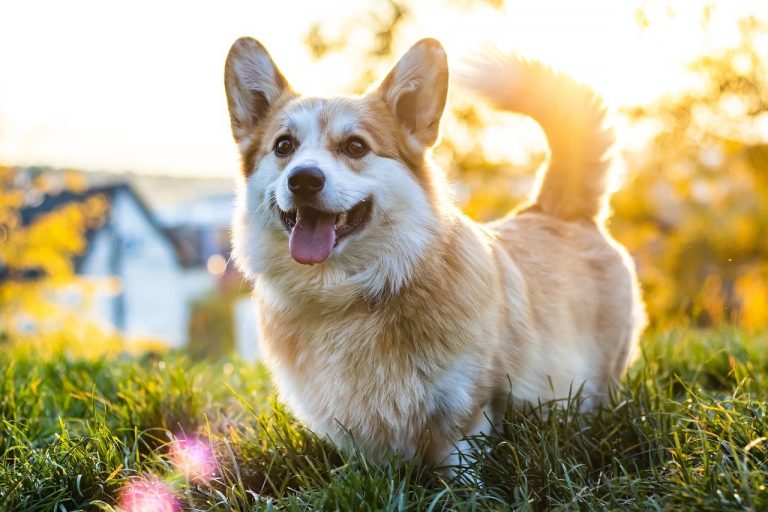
(386, 316)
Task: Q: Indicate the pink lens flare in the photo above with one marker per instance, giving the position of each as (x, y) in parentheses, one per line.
(148, 495)
(194, 458)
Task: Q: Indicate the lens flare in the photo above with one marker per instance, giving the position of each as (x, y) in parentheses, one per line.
(194, 458)
(148, 495)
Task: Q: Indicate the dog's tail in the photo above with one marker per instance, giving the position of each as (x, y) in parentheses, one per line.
(573, 118)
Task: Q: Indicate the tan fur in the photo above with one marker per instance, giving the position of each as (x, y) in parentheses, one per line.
(573, 184)
(534, 306)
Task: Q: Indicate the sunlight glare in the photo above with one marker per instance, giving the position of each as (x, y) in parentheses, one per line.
(148, 495)
(194, 457)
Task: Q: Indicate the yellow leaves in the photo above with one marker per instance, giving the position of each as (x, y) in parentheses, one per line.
(74, 180)
(711, 300)
(49, 244)
(52, 240)
(744, 231)
(733, 147)
(44, 305)
(486, 205)
(751, 289)
(37, 259)
(28, 297)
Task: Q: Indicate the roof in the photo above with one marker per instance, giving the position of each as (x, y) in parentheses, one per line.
(51, 202)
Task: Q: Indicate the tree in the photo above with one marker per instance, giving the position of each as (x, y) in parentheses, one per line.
(36, 257)
(695, 215)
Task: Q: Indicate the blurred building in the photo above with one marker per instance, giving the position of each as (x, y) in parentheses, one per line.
(201, 228)
(155, 280)
(159, 265)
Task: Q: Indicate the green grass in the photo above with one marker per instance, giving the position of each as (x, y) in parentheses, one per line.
(686, 433)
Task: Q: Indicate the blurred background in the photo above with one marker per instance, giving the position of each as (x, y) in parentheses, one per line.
(117, 164)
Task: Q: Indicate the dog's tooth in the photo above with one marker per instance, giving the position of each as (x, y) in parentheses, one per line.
(341, 219)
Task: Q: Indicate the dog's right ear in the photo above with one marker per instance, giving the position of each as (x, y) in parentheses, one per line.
(416, 89)
(253, 83)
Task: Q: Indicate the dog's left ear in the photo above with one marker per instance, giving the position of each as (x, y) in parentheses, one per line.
(416, 88)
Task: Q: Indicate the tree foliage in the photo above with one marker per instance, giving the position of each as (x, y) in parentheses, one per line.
(37, 257)
(695, 214)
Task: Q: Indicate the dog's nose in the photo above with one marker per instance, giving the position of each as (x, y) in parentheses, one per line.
(306, 181)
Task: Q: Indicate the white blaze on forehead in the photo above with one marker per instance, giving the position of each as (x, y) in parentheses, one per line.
(343, 123)
(317, 122)
(303, 120)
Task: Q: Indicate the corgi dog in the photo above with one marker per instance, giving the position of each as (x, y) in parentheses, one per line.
(389, 320)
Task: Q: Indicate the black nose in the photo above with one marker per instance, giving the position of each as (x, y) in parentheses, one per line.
(306, 181)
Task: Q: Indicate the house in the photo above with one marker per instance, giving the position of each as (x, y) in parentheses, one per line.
(155, 286)
(201, 227)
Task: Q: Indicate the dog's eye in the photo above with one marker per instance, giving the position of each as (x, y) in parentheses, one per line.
(284, 146)
(355, 148)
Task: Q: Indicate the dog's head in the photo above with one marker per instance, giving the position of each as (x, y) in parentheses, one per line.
(340, 183)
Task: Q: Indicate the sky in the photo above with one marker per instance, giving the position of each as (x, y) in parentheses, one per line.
(138, 86)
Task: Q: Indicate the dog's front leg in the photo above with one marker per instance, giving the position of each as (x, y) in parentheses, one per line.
(454, 451)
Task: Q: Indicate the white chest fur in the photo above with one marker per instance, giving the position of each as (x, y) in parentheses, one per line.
(353, 373)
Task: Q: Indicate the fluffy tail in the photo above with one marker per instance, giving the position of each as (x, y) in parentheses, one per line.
(573, 118)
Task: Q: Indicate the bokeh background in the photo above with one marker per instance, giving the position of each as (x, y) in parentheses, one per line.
(117, 164)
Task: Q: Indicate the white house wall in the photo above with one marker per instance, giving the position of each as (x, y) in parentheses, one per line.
(96, 266)
(152, 288)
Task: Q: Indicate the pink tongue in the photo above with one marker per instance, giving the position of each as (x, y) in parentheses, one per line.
(313, 237)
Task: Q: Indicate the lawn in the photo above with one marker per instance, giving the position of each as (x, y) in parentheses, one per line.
(686, 433)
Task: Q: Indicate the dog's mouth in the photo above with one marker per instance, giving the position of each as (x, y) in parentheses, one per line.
(313, 233)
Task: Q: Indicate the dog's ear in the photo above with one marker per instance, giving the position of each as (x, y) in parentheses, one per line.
(253, 83)
(416, 88)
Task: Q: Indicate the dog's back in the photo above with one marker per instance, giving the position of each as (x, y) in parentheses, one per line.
(583, 304)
